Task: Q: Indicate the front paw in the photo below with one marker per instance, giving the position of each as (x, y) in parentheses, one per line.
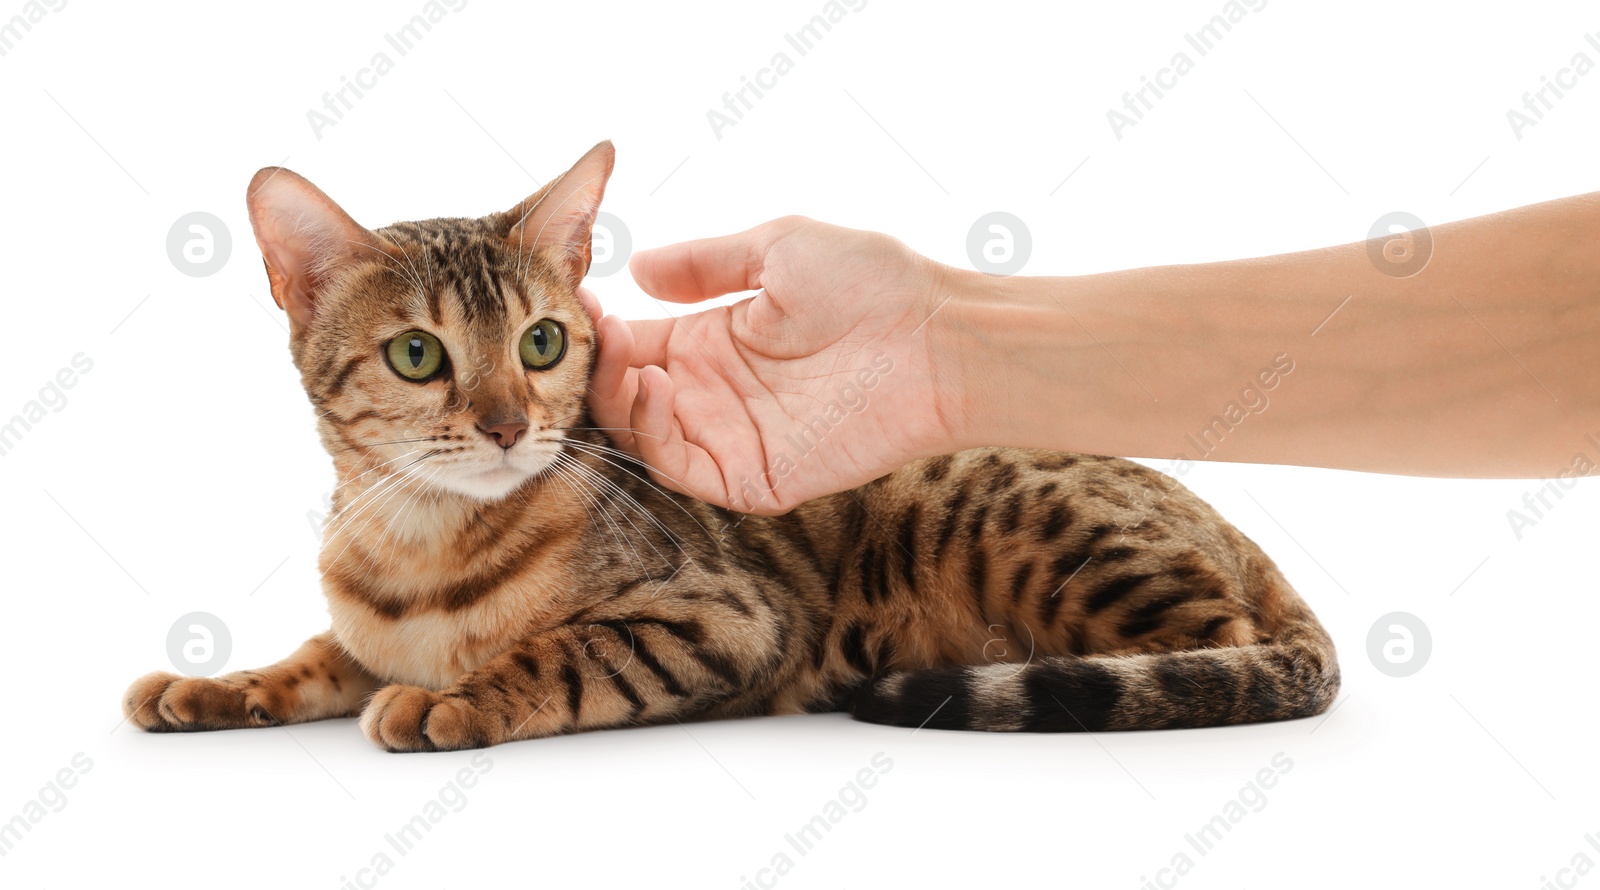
(411, 718)
(163, 702)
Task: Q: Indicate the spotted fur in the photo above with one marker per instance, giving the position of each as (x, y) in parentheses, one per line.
(481, 595)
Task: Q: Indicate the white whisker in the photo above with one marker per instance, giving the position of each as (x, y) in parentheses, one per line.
(383, 484)
(599, 453)
(615, 529)
(616, 491)
(411, 470)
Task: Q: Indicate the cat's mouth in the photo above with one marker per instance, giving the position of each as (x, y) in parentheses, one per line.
(494, 478)
(503, 473)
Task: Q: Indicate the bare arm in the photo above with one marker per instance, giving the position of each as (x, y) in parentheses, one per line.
(1485, 363)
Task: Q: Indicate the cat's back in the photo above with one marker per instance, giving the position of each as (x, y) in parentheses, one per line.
(1027, 498)
(1099, 554)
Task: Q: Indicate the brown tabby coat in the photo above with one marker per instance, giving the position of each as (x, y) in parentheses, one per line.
(482, 594)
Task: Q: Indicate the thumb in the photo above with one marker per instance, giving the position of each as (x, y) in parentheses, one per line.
(691, 271)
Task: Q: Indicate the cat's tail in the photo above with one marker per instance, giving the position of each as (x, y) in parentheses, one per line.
(1295, 675)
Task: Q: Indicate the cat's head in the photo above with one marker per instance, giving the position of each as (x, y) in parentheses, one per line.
(454, 351)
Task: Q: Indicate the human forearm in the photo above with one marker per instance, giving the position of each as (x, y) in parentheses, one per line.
(1480, 365)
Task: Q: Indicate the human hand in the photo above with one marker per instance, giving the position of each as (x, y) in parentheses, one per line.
(825, 379)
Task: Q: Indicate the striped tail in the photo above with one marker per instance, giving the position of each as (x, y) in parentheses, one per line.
(1295, 676)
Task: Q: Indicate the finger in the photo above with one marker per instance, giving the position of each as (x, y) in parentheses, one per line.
(611, 387)
(650, 339)
(616, 352)
(591, 304)
(672, 460)
(659, 439)
(692, 271)
(647, 339)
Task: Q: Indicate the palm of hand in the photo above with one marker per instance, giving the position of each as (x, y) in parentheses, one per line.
(775, 400)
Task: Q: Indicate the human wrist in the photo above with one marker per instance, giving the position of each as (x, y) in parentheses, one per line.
(996, 341)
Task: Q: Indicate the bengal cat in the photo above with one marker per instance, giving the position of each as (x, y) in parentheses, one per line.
(496, 571)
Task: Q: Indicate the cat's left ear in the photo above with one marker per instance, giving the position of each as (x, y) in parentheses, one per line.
(556, 221)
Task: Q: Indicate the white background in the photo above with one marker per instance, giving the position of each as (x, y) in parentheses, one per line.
(181, 470)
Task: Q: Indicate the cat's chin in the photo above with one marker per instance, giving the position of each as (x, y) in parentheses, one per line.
(491, 484)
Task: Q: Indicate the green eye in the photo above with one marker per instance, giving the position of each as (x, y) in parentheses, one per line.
(543, 344)
(415, 355)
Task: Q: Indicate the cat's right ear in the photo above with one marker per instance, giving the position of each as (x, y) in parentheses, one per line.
(304, 238)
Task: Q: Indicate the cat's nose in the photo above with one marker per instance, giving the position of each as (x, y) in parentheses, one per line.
(505, 431)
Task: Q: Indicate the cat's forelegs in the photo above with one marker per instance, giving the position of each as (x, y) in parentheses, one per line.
(607, 671)
(317, 682)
